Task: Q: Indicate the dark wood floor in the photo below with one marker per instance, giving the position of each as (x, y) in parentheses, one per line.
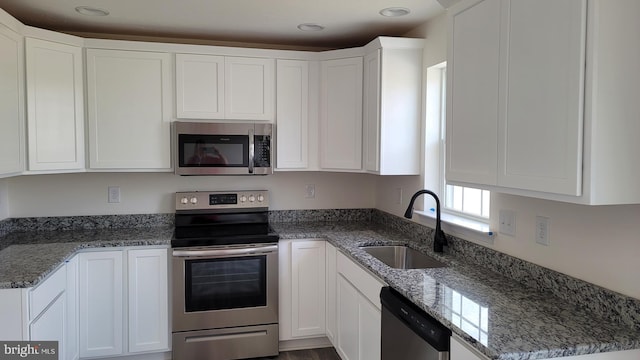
(311, 354)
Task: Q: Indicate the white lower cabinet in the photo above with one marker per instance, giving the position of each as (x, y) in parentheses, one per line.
(302, 288)
(52, 311)
(101, 300)
(148, 300)
(123, 301)
(331, 292)
(50, 325)
(358, 311)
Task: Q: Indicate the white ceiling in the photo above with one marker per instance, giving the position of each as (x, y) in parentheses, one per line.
(347, 22)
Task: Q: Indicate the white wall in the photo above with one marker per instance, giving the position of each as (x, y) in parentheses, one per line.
(600, 244)
(4, 200)
(86, 193)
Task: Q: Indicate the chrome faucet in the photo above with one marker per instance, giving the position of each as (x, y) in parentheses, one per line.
(439, 239)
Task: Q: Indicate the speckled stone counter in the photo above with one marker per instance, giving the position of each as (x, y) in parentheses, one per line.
(28, 257)
(500, 317)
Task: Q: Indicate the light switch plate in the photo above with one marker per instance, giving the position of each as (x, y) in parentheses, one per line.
(114, 194)
(507, 224)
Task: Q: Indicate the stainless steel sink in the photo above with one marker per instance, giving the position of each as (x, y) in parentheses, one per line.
(402, 257)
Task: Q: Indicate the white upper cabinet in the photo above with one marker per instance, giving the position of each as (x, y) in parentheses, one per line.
(225, 87)
(539, 103)
(55, 106)
(340, 121)
(472, 92)
(199, 86)
(249, 88)
(540, 133)
(392, 106)
(292, 132)
(130, 110)
(12, 136)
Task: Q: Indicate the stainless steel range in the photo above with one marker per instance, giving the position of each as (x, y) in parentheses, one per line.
(225, 277)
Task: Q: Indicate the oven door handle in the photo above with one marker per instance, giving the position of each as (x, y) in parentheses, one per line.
(226, 252)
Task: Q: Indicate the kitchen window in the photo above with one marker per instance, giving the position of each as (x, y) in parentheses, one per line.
(464, 206)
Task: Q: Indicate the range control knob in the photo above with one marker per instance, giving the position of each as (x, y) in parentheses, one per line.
(252, 198)
(184, 201)
(243, 198)
(194, 200)
(260, 198)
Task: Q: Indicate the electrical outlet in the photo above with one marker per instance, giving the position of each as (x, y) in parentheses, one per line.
(310, 191)
(114, 194)
(507, 221)
(542, 230)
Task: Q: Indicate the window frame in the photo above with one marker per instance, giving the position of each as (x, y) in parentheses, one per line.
(435, 118)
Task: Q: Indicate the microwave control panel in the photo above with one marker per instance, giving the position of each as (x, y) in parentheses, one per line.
(262, 151)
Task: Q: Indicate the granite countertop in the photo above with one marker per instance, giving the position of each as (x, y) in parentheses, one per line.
(500, 317)
(26, 258)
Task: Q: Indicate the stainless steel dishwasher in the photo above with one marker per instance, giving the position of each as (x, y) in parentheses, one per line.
(408, 333)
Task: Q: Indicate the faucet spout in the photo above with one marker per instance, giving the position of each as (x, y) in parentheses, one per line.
(439, 238)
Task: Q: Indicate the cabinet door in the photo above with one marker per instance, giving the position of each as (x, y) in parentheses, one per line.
(148, 300)
(348, 326)
(11, 103)
(71, 349)
(541, 135)
(331, 324)
(55, 106)
(199, 86)
(249, 88)
(371, 112)
(461, 351)
(308, 287)
(129, 109)
(292, 132)
(369, 321)
(473, 70)
(14, 314)
(100, 303)
(50, 325)
(341, 114)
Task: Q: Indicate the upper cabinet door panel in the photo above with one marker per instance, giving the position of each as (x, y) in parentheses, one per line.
(473, 92)
(55, 106)
(199, 86)
(541, 136)
(371, 112)
(249, 88)
(129, 109)
(11, 102)
(293, 114)
(341, 114)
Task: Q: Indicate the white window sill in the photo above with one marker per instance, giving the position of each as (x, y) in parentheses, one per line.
(458, 226)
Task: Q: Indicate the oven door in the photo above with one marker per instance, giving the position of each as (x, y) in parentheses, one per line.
(220, 287)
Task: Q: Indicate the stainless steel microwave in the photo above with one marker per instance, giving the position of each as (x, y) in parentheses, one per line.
(204, 148)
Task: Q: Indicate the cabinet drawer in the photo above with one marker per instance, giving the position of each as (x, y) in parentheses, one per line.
(366, 283)
(42, 295)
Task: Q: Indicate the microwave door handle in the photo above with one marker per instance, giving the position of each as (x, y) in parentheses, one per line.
(251, 150)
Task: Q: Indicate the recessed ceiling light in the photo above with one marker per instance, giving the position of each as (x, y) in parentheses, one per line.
(91, 11)
(394, 11)
(310, 27)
